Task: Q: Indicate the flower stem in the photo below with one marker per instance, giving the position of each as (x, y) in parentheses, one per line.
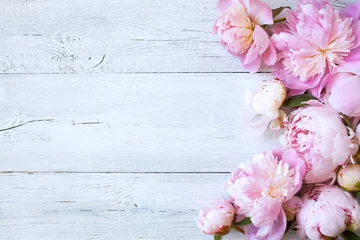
(238, 229)
(279, 20)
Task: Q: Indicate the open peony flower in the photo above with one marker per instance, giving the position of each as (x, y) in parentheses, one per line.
(348, 177)
(216, 219)
(326, 212)
(316, 40)
(320, 138)
(261, 187)
(342, 93)
(240, 32)
(263, 108)
(352, 60)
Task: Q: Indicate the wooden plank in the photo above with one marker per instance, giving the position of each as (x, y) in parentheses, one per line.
(91, 36)
(127, 123)
(76, 36)
(106, 206)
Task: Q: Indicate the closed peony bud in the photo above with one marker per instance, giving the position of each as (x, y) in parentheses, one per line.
(263, 107)
(216, 219)
(326, 212)
(348, 177)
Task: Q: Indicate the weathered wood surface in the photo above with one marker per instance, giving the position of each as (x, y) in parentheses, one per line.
(106, 206)
(127, 122)
(76, 36)
(104, 155)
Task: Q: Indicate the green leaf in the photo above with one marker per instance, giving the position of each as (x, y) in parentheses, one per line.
(299, 100)
(358, 196)
(347, 235)
(217, 237)
(277, 11)
(243, 222)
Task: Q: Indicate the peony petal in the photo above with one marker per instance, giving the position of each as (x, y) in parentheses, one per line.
(223, 5)
(356, 28)
(331, 219)
(261, 39)
(274, 231)
(352, 10)
(260, 13)
(252, 54)
(269, 56)
(252, 67)
(350, 66)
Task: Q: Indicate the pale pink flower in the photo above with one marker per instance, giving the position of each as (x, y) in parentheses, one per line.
(321, 139)
(240, 32)
(217, 218)
(316, 40)
(348, 177)
(263, 107)
(342, 93)
(262, 186)
(326, 212)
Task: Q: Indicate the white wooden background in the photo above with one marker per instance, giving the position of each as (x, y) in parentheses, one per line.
(119, 119)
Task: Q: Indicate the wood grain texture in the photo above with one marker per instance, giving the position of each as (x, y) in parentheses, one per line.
(106, 206)
(127, 123)
(60, 134)
(77, 36)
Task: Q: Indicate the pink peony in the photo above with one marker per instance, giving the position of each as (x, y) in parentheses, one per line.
(263, 108)
(352, 60)
(326, 212)
(320, 138)
(342, 93)
(261, 187)
(316, 40)
(240, 32)
(216, 219)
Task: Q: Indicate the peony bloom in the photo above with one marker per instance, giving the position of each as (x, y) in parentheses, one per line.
(348, 177)
(342, 93)
(216, 219)
(240, 32)
(263, 107)
(316, 40)
(319, 136)
(352, 60)
(326, 212)
(262, 187)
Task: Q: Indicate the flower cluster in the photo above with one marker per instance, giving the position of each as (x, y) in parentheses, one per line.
(311, 183)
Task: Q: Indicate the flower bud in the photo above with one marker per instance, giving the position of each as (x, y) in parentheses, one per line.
(216, 219)
(348, 177)
(263, 107)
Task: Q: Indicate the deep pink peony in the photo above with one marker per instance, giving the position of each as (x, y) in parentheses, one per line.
(217, 218)
(326, 212)
(319, 136)
(262, 187)
(342, 93)
(316, 40)
(240, 32)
